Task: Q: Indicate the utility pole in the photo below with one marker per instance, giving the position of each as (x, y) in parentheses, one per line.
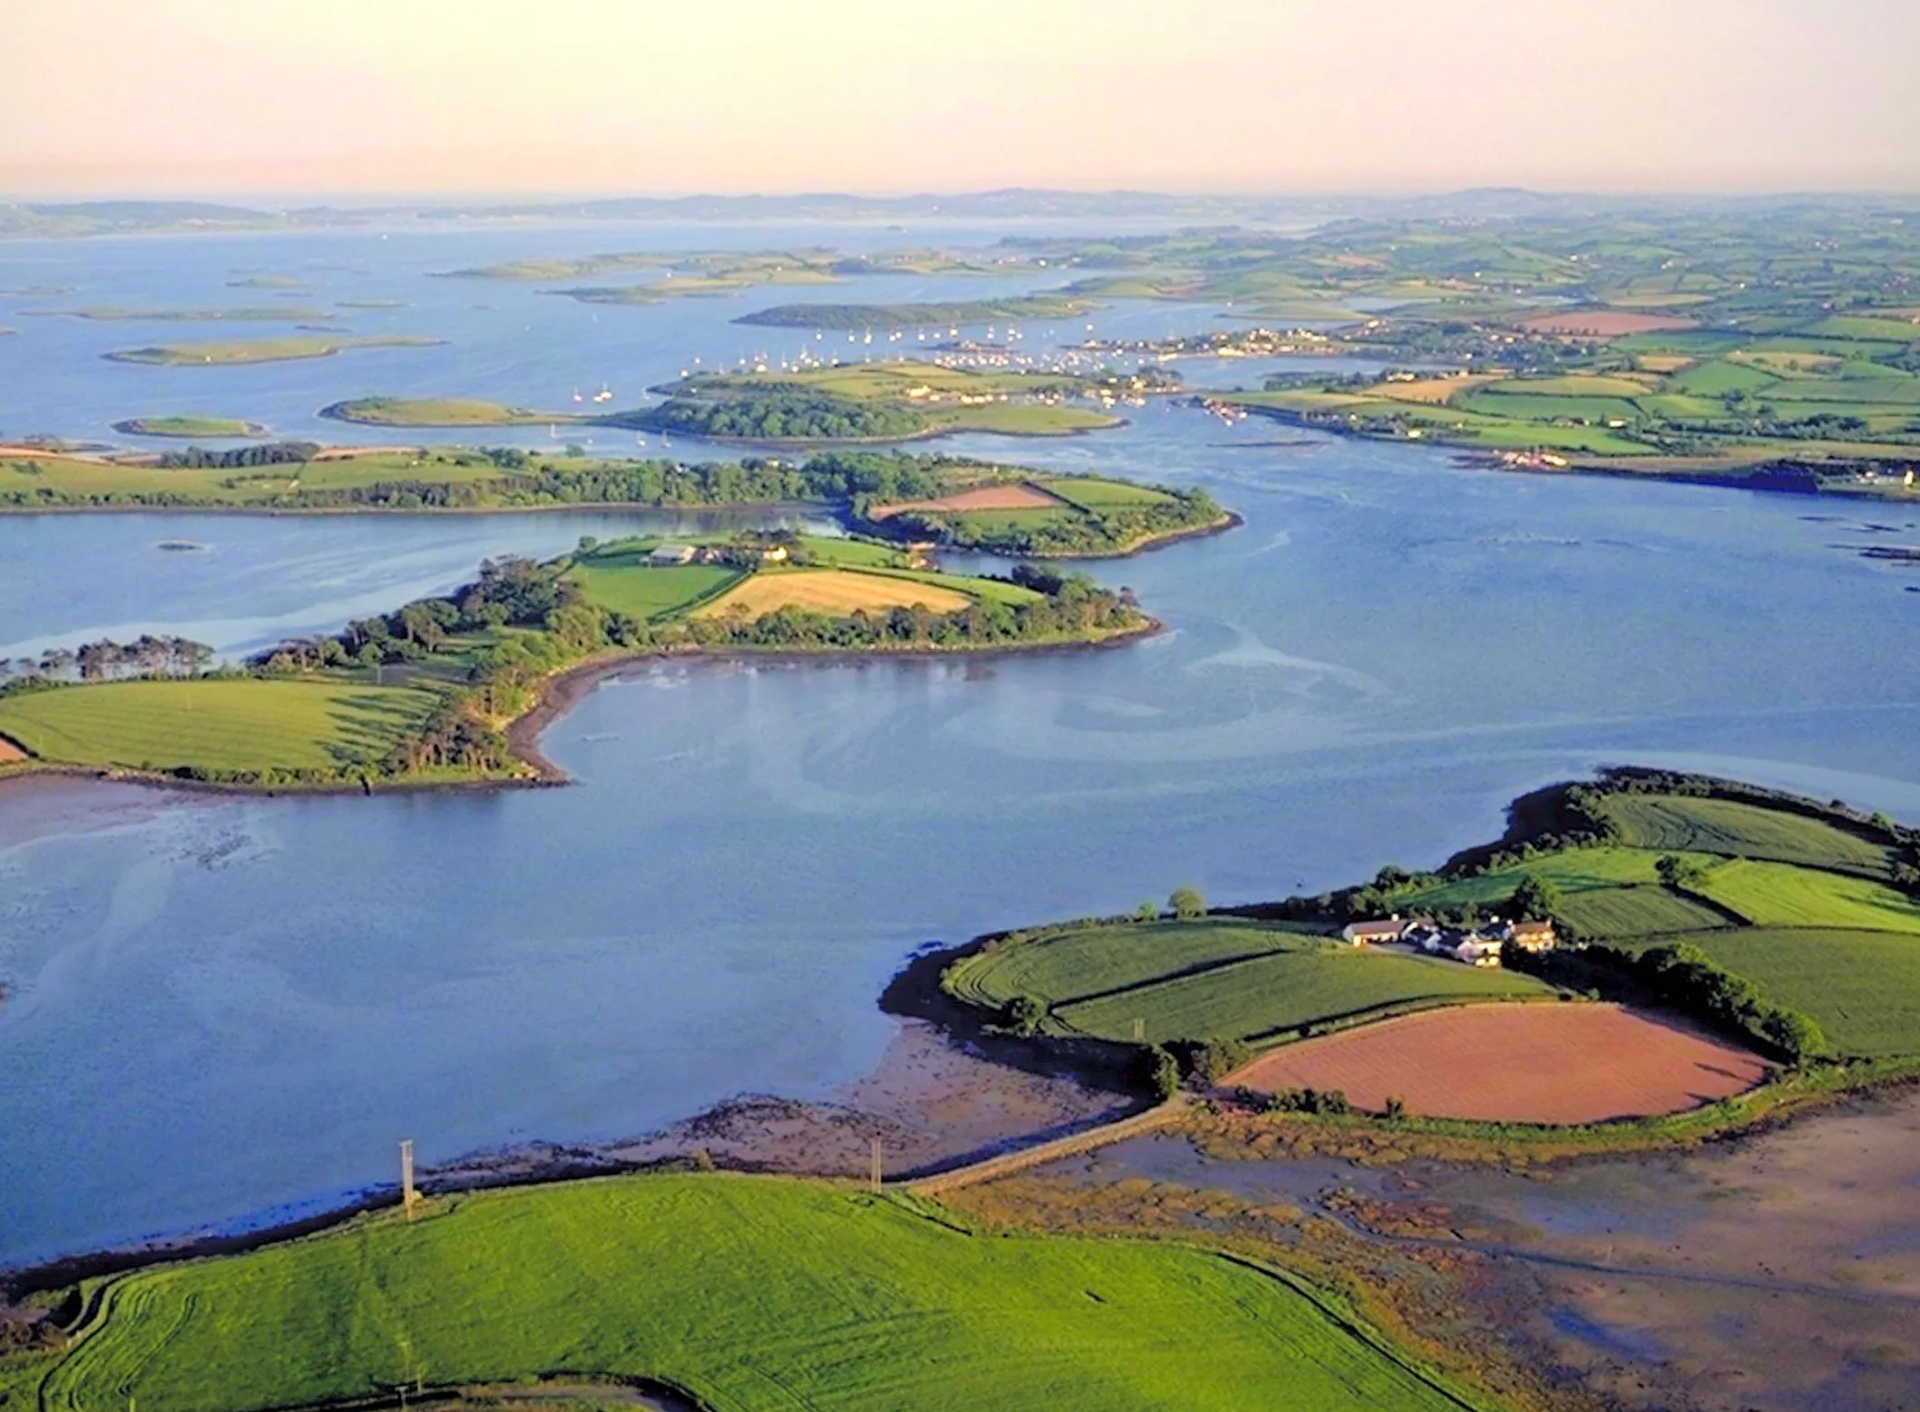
(1139, 1030)
(409, 1193)
(874, 1171)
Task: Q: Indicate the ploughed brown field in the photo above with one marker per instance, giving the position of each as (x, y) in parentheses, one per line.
(10, 752)
(984, 497)
(1560, 1063)
(1604, 323)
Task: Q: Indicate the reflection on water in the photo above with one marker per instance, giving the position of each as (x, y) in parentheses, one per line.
(223, 1008)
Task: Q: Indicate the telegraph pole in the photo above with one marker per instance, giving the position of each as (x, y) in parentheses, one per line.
(874, 1170)
(409, 1193)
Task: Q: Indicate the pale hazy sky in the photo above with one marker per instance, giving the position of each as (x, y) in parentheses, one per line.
(639, 96)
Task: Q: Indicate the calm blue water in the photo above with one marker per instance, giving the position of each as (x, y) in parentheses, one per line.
(225, 1008)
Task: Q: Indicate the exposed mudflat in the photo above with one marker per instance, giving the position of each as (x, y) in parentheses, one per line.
(928, 1103)
(1779, 1272)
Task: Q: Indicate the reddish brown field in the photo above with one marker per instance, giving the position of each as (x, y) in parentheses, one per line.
(10, 752)
(1604, 323)
(985, 497)
(1563, 1063)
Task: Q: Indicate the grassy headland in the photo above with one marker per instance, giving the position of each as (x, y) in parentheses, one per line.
(449, 690)
(737, 1292)
(237, 351)
(1791, 926)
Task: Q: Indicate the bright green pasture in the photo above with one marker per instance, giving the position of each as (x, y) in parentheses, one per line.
(748, 1292)
(1214, 979)
(1719, 378)
(1099, 495)
(1863, 987)
(1570, 385)
(1546, 407)
(239, 724)
(627, 583)
(985, 589)
(1781, 895)
(851, 552)
(1636, 909)
(1030, 418)
(1679, 823)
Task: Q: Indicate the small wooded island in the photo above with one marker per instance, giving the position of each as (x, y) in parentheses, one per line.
(451, 690)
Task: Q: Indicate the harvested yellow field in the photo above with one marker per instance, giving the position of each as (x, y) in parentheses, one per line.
(1662, 362)
(835, 592)
(1432, 391)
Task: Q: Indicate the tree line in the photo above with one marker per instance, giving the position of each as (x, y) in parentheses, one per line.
(148, 655)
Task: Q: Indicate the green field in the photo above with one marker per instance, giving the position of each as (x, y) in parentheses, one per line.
(1213, 979)
(188, 426)
(233, 352)
(1679, 823)
(1090, 493)
(1781, 895)
(1863, 987)
(746, 1292)
(625, 582)
(220, 724)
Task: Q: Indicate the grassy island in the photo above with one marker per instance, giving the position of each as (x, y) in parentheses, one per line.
(731, 1292)
(448, 689)
(189, 426)
(891, 401)
(438, 412)
(1785, 931)
(1014, 309)
(236, 351)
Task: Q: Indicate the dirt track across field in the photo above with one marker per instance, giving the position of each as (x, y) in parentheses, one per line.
(1565, 1063)
(985, 497)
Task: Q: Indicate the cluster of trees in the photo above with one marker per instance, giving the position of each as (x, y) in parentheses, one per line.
(1332, 1102)
(1684, 977)
(106, 660)
(785, 416)
(272, 453)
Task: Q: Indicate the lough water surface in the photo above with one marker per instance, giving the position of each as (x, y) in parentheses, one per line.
(223, 1010)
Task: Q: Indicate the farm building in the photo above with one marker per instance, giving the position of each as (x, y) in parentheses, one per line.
(1475, 950)
(1372, 933)
(1532, 936)
(670, 554)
